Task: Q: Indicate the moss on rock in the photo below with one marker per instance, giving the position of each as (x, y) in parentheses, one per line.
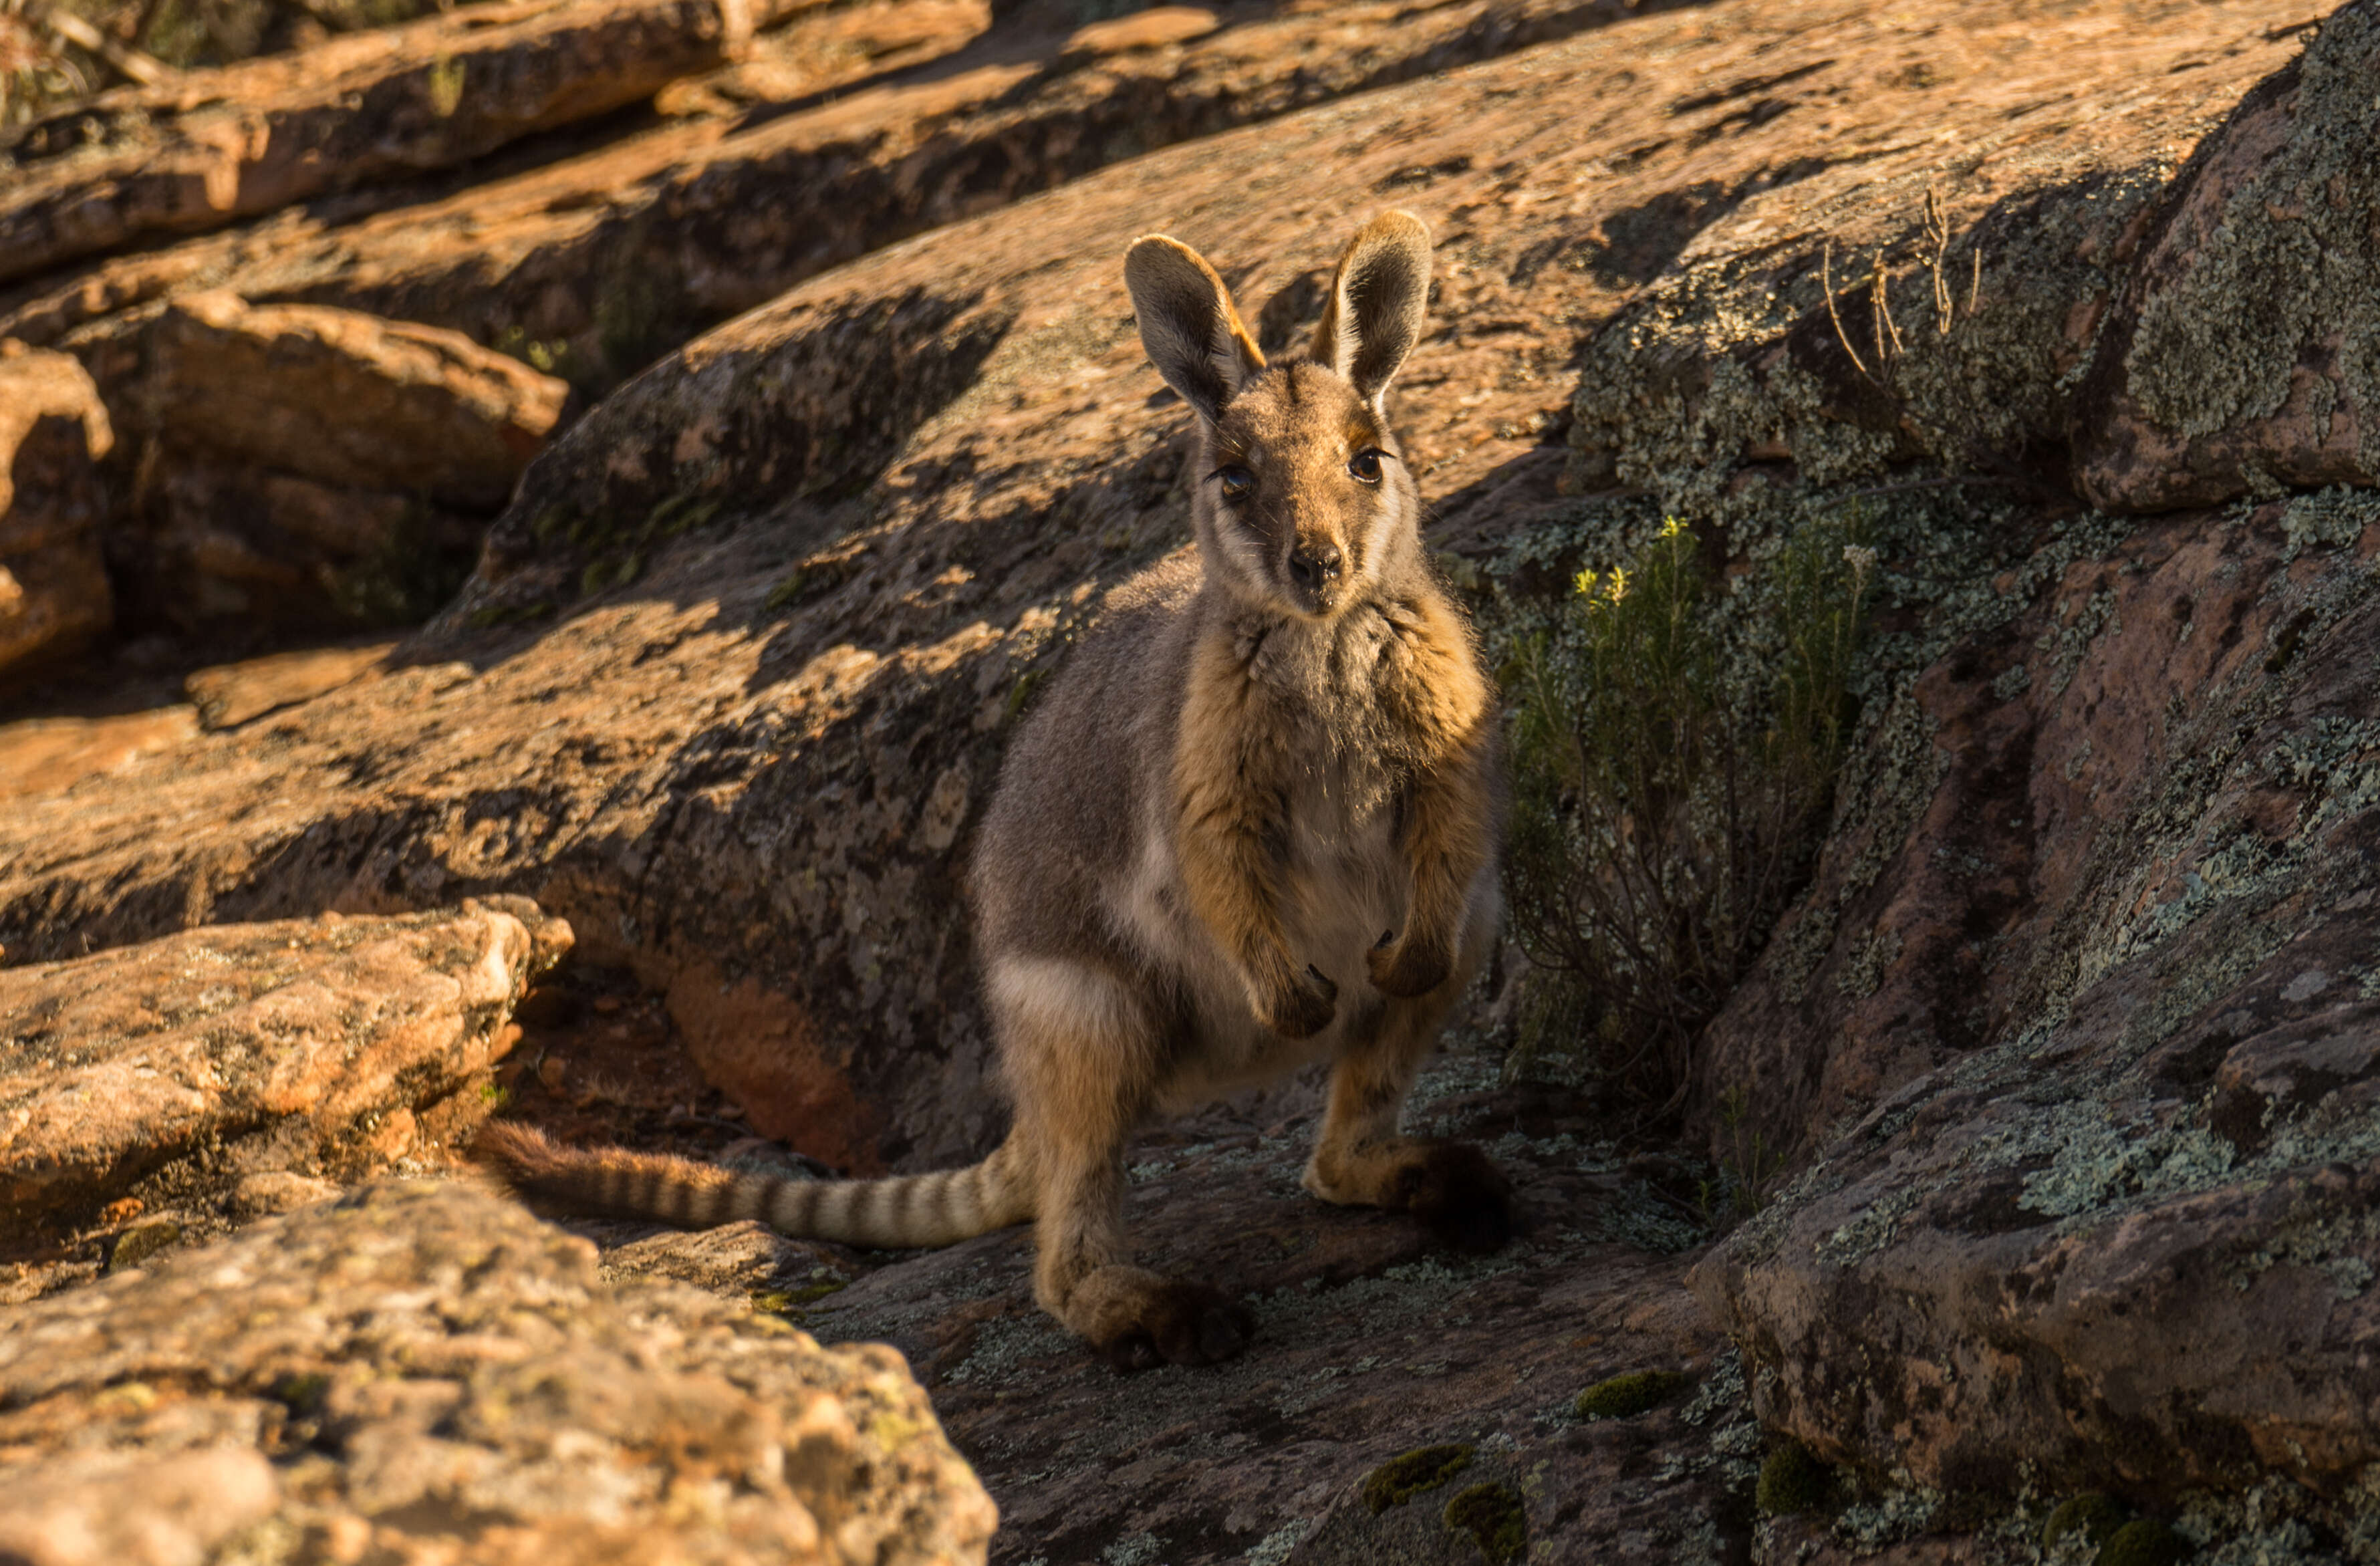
(2095, 1516)
(1625, 1397)
(1793, 1481)
(1402, 1477)
(1493, 1515)
(2143, 1543)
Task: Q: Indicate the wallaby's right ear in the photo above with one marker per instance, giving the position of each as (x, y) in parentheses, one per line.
(1187, 325)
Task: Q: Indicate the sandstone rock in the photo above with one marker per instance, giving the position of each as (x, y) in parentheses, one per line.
(54, 590)
(345, 399)
(207, 148)
(232, 694)
(40, 756)
(308, 1047)
(306, 467)
(2243, 356)
(424, 1373)
(606, 260)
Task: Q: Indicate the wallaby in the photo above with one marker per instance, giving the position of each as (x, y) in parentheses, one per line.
(1251, 825)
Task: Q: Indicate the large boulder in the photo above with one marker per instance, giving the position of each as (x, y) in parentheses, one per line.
(186, 1066)
(2243, 356)
(54, 431)
(423, 1373)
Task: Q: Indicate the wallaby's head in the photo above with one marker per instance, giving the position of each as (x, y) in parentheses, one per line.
(1301, 498)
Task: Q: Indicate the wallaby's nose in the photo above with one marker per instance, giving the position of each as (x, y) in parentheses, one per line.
(1316, 566)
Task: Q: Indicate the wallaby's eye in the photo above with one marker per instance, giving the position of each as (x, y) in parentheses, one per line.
(1238, 482)
(1366, 464)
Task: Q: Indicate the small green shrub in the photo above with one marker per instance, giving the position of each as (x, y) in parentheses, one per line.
(1493, 1515)
(1625, 1397)
(2094, 1516)
(1665, 800)
(1793, 1481)
(1401, 1478)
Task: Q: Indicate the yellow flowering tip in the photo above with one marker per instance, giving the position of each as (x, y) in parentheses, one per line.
(1585, 582)
(1671, 527)
(1619, 585)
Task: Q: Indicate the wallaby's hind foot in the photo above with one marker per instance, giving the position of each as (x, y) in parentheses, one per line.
(1459, 1194)
(1456, 1191)
(1137, 1319)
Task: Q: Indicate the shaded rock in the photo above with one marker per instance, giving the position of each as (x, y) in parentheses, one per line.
(1369, 1345)
(53, 589)
(345, 399)
(2243, 355)
(2117, 1230)
(302, 467)
(207, 148)
(326, 1045)
(422, 1372)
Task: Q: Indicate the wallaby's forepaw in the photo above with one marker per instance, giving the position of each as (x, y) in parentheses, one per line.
(1304, 1007)
(1459, 1196)
(1411, 967)
(1181, 1324)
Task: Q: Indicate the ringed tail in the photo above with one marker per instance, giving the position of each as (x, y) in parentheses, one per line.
(902, 1212)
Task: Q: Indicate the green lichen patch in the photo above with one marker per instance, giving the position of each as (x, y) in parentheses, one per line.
(1625, 1397)
(2143, 1543)
(1792, 1481)
(2095, 1516)
(1402, 1477)
(1493, 1515)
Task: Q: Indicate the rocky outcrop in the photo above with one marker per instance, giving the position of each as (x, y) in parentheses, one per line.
(2244, 356)
(423, 1373)
(54, 430)
(604, 261)
(2060, 1059)
(207, 148)
(185, 1066)
(2115, 1229)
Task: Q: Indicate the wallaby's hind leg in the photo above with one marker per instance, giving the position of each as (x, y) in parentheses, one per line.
(1360, 1161)
(1083, 1055)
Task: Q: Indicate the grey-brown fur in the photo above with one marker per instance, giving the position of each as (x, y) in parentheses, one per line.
(1250, 826)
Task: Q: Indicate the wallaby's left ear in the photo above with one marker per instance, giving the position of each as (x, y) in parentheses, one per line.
(1377, 303)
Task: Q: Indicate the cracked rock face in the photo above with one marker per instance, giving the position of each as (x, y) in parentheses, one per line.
(188, 1066)
(422, 1373)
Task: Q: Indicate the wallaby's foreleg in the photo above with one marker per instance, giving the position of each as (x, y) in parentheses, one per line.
(1360, 1159)
(1081, 1054)
(1230, 783)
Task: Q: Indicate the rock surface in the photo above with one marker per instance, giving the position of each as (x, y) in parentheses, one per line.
(207, 148)
(308, 1047)
(2244, 354)
(54, 431)
(422, 1373)
(2065, 1053)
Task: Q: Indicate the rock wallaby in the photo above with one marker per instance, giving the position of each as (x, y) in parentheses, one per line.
(1251, 825)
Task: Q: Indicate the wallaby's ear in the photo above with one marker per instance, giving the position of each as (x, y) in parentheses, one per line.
(1377, 303)
(1187, 325)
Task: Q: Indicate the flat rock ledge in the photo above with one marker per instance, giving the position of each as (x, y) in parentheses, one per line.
(195, 1066)
(423, 1372)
